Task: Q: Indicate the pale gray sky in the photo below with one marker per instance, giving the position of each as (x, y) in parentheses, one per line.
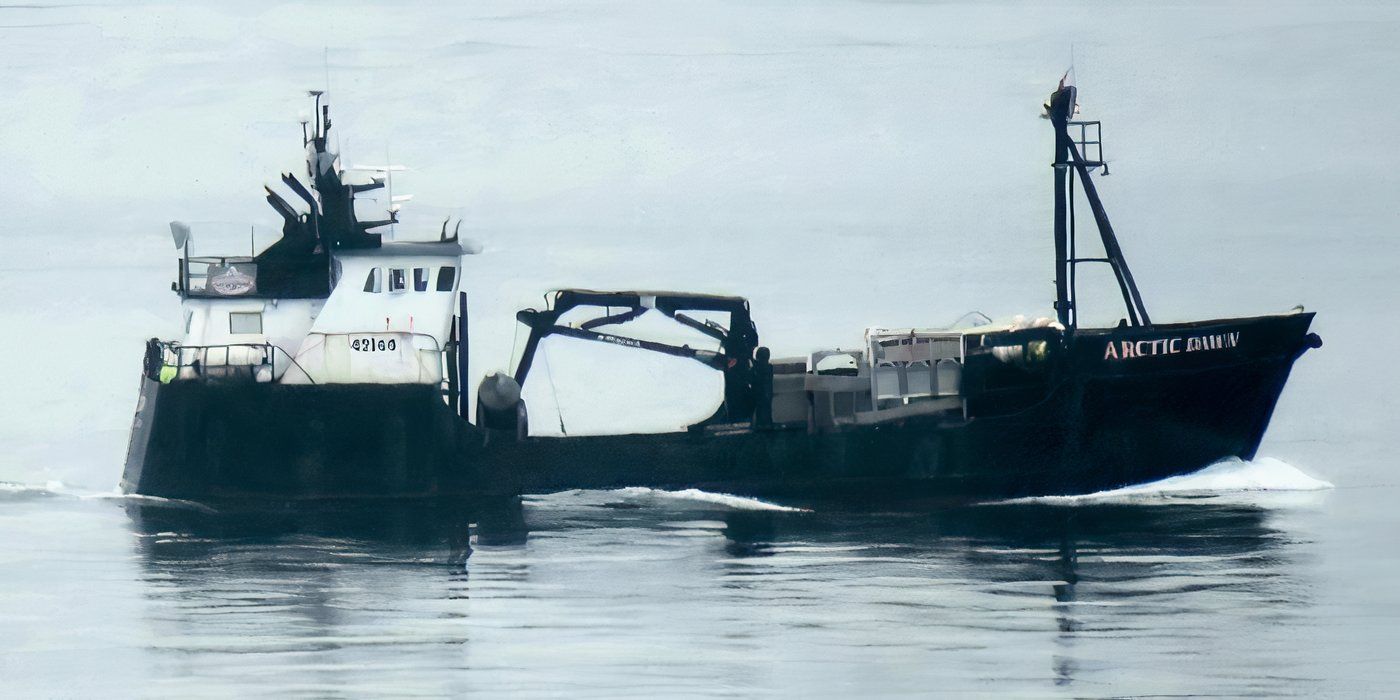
(843, 164)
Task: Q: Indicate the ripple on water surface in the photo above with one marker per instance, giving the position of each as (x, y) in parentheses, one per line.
(642, 592)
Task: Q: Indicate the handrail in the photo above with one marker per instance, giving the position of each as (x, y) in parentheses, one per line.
(413, 334)
(173, 354)
(414, 337)
(220, 361)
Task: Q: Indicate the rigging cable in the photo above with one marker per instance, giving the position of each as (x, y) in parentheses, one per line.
(1073, 255)
(554, 392)
(514, 341)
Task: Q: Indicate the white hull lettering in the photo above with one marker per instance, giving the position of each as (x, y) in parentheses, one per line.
(615, 340)
(1133, 349)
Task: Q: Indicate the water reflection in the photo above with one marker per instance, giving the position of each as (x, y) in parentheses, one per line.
(181, 529)
(1105, 572)
(1032, 596)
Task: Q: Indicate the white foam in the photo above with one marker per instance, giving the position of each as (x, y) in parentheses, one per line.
(721, 499)
(642, 493)
(62, 490)
(138, 498)
(1232, 476)
(48, 489)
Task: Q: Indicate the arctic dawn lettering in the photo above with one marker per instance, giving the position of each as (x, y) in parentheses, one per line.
(1129, 349)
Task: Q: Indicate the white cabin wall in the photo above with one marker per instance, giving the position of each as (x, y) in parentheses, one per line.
(285, 323)
(407, 329)
(350, 309)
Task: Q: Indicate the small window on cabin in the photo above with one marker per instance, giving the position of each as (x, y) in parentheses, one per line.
(447, 276)
(372, 282)
(397, 279)
(420, 279)
(245, 323)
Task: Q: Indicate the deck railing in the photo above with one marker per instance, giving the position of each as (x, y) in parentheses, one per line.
(168, 360)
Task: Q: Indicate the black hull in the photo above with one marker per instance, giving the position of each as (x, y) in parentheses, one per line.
(1091, 423)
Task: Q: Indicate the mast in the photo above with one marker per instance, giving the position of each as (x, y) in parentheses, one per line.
(1069, 163)
(1063, 303)
(334, 220)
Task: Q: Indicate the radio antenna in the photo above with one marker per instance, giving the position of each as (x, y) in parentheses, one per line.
(326, 62)
(393, 215)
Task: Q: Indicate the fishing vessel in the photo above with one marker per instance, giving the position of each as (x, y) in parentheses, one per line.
(333, 364)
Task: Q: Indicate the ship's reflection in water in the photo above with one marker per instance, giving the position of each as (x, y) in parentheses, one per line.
(640, 594)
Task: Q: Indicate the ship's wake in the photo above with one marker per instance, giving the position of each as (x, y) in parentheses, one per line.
(1229, 479)
(11, 491)
(640, 496)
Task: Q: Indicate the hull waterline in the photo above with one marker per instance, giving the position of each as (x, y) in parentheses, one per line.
(1095, 421)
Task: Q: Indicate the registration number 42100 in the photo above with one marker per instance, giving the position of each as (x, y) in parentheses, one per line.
(374, 344)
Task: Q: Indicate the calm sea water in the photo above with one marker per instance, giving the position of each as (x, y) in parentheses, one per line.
(640, 593)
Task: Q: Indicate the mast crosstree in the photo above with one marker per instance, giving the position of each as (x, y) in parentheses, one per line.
(1070, 165)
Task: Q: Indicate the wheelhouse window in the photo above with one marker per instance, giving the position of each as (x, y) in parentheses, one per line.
(447, 276)
(398, 279)
(245, 323)
(420, 279)
(374, 282)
